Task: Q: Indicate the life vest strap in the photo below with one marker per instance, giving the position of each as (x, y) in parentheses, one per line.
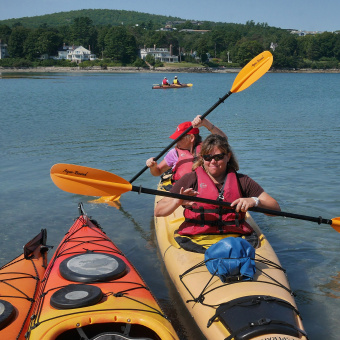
(215, 223)
(209, 211)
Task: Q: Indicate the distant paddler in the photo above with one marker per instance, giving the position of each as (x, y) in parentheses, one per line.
(165, 82)
(176, 81)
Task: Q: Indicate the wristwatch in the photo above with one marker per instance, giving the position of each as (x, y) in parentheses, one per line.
(257, 201)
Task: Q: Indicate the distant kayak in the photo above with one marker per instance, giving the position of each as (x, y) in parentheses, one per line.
(172, 86)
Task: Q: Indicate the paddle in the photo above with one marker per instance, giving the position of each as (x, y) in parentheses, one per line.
(87, 181)
(254, 70)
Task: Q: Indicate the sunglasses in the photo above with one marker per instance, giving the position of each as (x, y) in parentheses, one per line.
(216, 158)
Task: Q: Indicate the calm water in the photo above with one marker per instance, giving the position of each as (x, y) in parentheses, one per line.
(284, 129)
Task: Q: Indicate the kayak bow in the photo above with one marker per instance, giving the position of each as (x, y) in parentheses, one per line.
(91, 291)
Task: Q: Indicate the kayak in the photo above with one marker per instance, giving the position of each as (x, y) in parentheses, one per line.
(19, 283)
(261, 308)
(171, 86)
(91, 291)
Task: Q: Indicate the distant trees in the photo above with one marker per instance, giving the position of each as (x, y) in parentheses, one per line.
(5, 33)
(120, 45)
(39, 42)
(222, 41)
(83, 32)
(246, 51)
(16, 41)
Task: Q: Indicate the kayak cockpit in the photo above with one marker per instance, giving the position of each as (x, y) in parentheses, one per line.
(110, 331)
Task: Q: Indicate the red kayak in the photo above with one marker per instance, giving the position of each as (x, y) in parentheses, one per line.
(172, 86)
(91, 291)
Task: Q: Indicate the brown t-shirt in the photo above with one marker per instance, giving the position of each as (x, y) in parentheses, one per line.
(250, 188)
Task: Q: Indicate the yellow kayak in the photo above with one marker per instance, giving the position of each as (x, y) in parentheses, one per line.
(262, 308)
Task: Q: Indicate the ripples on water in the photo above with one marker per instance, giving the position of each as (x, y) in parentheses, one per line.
(284, 130)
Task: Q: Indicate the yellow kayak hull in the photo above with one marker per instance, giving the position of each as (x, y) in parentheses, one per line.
(198, 284)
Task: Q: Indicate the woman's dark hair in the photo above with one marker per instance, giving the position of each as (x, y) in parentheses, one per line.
(222, 143)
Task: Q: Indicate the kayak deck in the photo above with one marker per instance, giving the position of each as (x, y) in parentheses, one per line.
(223, 310)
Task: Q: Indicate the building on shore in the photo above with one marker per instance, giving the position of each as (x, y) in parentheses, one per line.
(160, 54)
(304, 33)
(76, 54)
(3, 50)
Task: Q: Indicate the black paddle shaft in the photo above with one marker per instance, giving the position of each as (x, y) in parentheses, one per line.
(220, 101)
(318, 220)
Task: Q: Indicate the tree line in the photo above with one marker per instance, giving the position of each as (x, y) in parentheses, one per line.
(224, 44)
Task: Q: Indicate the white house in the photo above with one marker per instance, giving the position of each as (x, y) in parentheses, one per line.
(303, 33)
(160, 54)
(75, 53)
(3, 51)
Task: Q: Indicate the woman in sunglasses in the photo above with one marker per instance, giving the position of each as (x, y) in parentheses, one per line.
(215, 177)
(181, 158)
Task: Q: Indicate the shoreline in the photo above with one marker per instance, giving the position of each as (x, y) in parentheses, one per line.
(98, 69)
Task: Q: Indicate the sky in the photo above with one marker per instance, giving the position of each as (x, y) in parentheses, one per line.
(308, 15)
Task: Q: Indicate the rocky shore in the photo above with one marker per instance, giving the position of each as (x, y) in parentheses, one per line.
(156, 70)
(121, 69)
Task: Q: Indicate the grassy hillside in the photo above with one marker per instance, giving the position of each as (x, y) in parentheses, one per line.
(98, 16)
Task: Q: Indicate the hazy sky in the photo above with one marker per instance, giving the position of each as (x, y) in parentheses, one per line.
(310, 15)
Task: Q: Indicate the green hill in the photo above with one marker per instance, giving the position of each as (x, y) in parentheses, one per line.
(100, 17)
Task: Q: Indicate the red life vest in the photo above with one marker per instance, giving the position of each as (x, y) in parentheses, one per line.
(184, 162)
(205, 218)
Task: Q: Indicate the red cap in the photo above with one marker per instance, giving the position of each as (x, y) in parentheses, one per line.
(182, 127)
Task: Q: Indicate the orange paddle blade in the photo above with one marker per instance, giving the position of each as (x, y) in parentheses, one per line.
(87, 181)
(336, 224)
(254, 70)
(106, 199)
(113, 201)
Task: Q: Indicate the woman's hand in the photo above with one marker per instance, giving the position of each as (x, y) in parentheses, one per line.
(168, 205)
(187, 192)
(264, 201)
(243, 204)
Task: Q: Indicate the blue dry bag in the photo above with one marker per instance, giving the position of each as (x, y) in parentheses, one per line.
(231, 257)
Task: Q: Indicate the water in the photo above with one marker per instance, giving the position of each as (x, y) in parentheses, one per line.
(284, 130)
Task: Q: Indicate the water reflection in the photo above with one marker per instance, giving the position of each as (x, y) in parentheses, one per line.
(332, 288)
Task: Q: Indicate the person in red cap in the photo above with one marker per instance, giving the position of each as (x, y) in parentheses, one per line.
(181, 158)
